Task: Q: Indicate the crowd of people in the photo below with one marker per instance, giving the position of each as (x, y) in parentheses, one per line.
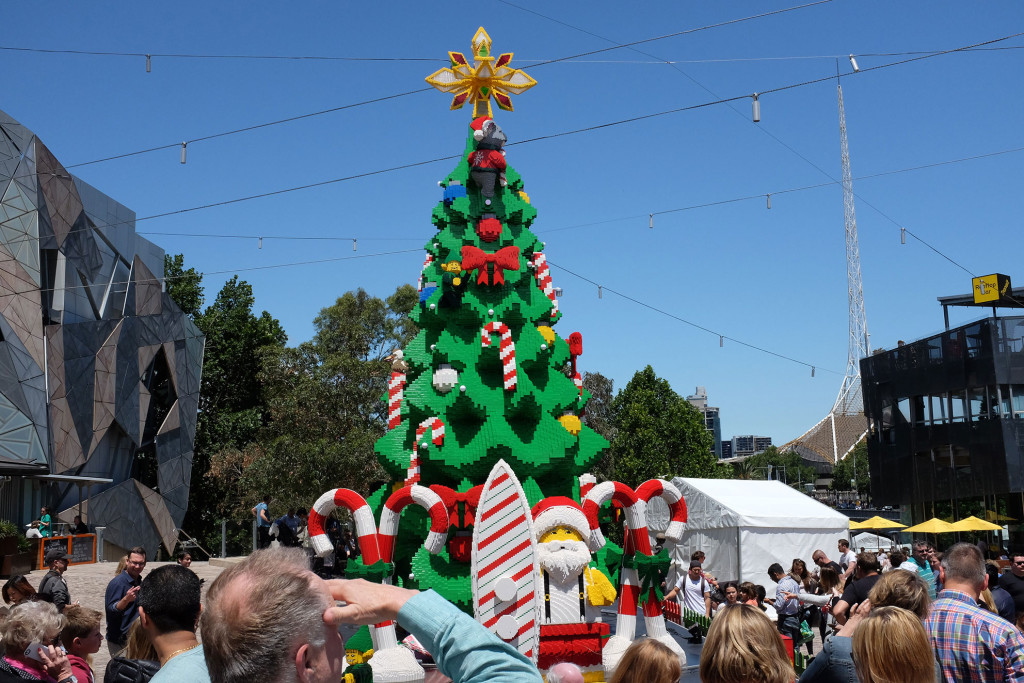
(920, 616)
(883, 617)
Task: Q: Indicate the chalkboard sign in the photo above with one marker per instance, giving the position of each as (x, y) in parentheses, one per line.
(46, 544)
(83, 549)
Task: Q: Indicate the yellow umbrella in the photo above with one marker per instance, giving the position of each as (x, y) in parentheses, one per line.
(972, 523)
(877, 522)
(992, 516)
(932, 526)
(856, 525)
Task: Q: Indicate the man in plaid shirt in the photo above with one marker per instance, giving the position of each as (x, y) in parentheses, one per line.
(970, 643)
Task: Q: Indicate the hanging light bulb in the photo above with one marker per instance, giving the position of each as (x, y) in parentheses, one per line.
(599, 292)
(184, 146)
(769, 200)
(812, 371)
(149, 64)
(853, 63)
(903, 235)
(259, 245)
(353, 245)
(650, 223)
(721, 341)
(558, 291)
(757, 109)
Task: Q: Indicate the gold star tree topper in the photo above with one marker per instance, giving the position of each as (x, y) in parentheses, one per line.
(484, 79)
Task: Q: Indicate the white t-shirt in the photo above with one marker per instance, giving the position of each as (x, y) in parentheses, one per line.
(848, 558)
(693, 592)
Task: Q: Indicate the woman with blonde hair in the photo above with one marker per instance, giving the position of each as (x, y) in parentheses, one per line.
(648, 661)
(743, 646)
(892, 646)
(905, 590)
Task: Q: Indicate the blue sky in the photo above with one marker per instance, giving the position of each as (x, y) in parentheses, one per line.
(773, 278)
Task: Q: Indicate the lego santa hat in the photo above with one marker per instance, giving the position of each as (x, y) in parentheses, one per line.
(479, 126)
(559, 511)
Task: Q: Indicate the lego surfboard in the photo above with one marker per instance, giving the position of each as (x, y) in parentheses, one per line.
(504, 563)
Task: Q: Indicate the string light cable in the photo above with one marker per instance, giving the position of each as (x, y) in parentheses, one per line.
(759, 196)
(764, 130)
(690, 323)
(267, 124)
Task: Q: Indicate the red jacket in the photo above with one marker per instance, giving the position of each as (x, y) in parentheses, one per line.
(487, 159)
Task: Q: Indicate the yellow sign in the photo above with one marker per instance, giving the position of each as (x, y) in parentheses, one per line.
(990, 288)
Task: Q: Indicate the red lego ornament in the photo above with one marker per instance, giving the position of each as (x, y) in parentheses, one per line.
(489, 229)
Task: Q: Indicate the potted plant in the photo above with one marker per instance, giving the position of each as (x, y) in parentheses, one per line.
(15, 555)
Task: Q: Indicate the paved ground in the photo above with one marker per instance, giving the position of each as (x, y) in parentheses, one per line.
(87, 584)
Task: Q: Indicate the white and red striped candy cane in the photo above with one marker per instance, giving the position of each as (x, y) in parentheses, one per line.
(426, 262)
(542, 273)
(659, 488)
(578, 381)
(399, 500)
(633, 506)
(396, 388)
(629, 589)
(506, 351)
(587, 482)
(436, 427)
(366, 527)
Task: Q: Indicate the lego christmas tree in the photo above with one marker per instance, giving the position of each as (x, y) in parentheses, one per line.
(487, 377)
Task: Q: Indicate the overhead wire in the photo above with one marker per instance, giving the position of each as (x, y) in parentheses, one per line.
(690, 207)
(698, 326)
(388, 97)
(763, 129)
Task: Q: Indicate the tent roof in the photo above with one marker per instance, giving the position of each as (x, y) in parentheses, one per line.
(751, 503)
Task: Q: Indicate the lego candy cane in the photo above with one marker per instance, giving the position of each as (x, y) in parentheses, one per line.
(506, 351)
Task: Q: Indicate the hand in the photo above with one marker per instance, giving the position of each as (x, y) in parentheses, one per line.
(366, 603)
(857, 615)
(55, 661)
(132, 593)
(788, 595)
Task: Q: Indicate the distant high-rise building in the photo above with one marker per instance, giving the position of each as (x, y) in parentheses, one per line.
(726, 449)
(748, 444)
(712, 422)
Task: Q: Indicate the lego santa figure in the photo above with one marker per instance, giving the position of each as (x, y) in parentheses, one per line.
(572, 592)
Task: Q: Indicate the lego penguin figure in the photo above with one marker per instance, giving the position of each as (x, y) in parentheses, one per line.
(487, 163)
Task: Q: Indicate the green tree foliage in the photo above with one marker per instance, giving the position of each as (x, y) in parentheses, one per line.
(185, 286)
(659, 434)
(231, 405)
(599, 418)
(786, 467)
(323, 405)
(855, 461)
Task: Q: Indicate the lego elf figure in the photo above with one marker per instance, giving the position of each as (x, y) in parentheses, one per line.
(358, 651)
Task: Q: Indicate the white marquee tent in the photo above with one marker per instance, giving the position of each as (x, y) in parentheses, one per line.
(744, 526)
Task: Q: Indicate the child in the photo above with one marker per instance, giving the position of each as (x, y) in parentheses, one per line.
(81, 638)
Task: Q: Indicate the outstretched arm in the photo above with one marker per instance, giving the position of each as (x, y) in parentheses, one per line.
(464, 650)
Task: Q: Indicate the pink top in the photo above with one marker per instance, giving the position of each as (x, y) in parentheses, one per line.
(29, 669)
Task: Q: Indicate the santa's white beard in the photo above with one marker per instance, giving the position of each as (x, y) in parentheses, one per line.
(564, 560)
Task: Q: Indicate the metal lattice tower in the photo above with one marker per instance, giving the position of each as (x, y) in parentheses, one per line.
(832, 438)
(850, 400)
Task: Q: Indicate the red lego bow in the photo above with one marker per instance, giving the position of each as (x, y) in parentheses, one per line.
(506, 258)
(452, 498)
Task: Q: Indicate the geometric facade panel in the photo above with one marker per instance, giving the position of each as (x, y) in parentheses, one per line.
(83, 316)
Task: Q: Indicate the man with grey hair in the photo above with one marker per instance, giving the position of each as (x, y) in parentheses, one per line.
(270, 619)
(970, 643)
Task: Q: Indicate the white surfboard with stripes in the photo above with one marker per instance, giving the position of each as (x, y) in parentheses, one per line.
(504, 564)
